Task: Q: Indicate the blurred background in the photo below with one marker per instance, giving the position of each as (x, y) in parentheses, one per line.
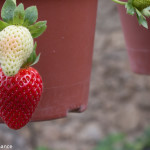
(119, 100)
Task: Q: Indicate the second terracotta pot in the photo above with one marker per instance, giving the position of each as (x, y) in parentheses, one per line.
(137, 42)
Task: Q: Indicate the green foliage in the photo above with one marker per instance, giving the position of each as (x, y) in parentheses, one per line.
(7, 12)
(141, 19)
(132, 7)
(119, 142)
(33, 59)
(146, 12)
(131, 10)
(19, 15)
(3, 25)
(16, 15)
(38, 28)
(31, 15)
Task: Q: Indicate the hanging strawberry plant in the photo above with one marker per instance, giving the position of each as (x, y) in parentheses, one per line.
(134, 16)
(139, 7)
(20, 84)
(66, 50)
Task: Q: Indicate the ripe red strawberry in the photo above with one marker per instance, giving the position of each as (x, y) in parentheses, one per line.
(19, 96)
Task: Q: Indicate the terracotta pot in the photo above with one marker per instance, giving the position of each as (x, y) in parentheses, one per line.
(66, 55)
(137, 42)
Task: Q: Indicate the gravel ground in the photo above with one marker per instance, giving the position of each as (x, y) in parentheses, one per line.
(118, 101)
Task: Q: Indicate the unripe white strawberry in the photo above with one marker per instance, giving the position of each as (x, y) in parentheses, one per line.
(16, 45)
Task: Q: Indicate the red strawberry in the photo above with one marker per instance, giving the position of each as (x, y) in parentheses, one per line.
(19, 96)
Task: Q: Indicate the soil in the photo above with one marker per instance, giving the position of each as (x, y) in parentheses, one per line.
(118, 101)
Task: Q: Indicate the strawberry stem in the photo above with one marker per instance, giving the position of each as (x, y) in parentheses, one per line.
(119, 2)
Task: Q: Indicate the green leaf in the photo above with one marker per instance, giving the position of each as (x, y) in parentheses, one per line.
(146, 12)
(3, 25)
(36, 60)
(33, 54)
(33, 59)
(19, 14)
(141, 19)
(31, 15)
(8, 11)
(130, 8)
(14, 1)
(38, 28)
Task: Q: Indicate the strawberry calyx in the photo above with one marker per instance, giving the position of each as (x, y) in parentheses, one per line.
(141, 11)
(33, 59)
(17, 15)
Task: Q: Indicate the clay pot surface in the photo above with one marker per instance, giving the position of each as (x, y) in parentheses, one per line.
(66, 55)
(137, 42)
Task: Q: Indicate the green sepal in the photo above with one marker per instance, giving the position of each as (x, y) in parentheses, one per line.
(36, 60)
(33, 59)
(14, 1)
(3, 25)
(19, 15)
(130, 8)
(31, 16)
(8, 11)
(38, 28)
(141, 19)
(146, 12)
